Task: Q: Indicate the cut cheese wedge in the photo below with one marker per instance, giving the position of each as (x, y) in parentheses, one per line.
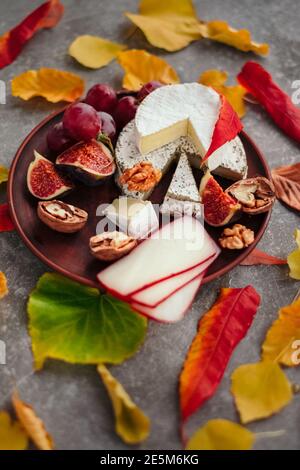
(174, 249)
(174, 111)
(155, 295)
(174, 308)
(188, 109)
(182, 196)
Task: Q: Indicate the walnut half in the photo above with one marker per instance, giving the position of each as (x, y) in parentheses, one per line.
(256, 195)
(62, 217)
(141, 177)
(236, 237)
(110, 246)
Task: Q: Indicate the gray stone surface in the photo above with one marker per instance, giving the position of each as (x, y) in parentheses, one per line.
(71, 399)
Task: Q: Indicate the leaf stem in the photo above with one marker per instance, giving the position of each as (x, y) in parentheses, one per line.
(268, 434)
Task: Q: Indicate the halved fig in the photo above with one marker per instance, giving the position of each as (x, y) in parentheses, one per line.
(44, 181)
(256, 195)
(219, 207)
(89, 162)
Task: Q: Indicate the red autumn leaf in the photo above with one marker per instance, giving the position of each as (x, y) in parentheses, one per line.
(276, 102)
(227, 127)
(286, 180)
(13, 41)
(6, 224)
(259, 257)
(219, 332)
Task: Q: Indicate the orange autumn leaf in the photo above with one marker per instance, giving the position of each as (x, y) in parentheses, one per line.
(141, 67)
(260, 390)
(219, 332)
(294, 258)
(221, 434)
(170, 25)
(33, 425)
(220, 31)
(282, 342)
(12, 434)
(93, 51)
(286, 180)
(3, 174)
(3, 285)
(12, 42)
(53, 85)
(259, 257)
(235, 93)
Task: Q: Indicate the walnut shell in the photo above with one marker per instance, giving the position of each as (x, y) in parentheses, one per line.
(256, 195)
(110, 246)
(62, 217)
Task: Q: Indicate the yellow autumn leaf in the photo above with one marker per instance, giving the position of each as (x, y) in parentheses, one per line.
(141, 67)
(294, 259)
(93, 51)
(234, 93)
(12, 435)
(33, 425)
(260, 390)
(220, 31)
(3, 174)
(3, 285)
(282, 343)
(131, 423)
(170, 25)
(221, 434)
(54, 85)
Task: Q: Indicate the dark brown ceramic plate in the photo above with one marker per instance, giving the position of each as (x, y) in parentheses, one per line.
(69, 253)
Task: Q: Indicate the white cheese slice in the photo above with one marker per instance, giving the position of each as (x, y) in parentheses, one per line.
(175, 111)
(182, 196)
(135, 217)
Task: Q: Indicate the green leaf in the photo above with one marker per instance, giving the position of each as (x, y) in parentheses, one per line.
(221, 434)
(131, 423)
(3, 174)
(106, 141)
(78, 324)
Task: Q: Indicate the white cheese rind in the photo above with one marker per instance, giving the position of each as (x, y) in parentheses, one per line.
(173, 111)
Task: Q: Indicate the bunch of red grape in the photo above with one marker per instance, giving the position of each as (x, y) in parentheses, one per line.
(101, 111)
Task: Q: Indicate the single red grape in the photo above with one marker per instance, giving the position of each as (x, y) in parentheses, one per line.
(102, 97)
(81, 121)
(125, 111)
(147, 89)
(108, 125)
(57, 138)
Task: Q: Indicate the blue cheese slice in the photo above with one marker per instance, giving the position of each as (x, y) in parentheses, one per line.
(228, 161)
(182, 196)
(135, 217)
(128, 155)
